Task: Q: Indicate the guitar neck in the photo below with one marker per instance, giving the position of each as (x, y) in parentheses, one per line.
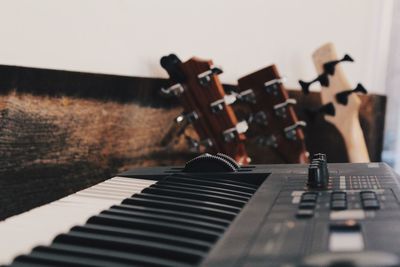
(354, 140)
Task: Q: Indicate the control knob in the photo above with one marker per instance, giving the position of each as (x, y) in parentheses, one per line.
(318, 173)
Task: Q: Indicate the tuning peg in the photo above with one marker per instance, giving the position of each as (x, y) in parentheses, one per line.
(272, 86)
(290, 131)
(281, 108)
(187, 117)
(270, 141)
(343, 97)
(174, 90)
(247, 96)
(219, 104)
(259, 117)
(205, 77)
(328, 109)
(322, 79)
(171, 64)
(329, 67)
(230, 134)
(195, 145)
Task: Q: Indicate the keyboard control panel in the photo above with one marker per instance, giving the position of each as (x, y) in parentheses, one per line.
(313, 215)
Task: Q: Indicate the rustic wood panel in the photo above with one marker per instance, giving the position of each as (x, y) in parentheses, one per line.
(53, 146)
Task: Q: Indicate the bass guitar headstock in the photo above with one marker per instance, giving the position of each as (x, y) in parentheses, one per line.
(340, 102)
(196, 83)
(273, 118)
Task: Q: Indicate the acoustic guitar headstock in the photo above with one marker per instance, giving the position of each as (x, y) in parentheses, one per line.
(206, 106)
(273, 117)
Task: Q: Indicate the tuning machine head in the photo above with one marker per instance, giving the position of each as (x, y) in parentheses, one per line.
(281, 108)
(205, 77)
(171, 64)
(343, 97)
(195, 145)
(247, 96)
(270, 141)
(323, 79)
(272, 86)
(219, 104)
(187, 117)
(231, 133)
(327, 109)
(291, 131)
(259, 118)
(329, 67)
(174, 90)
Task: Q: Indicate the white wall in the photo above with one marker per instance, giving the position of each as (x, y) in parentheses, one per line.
(128, 37)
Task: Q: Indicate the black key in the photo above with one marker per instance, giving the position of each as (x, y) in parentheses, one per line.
(194, 196)
(137, 246)
(107, 257)
(219, 180)
(164, 218)
(338, 204)
(370, 204)
(184, 215)
(145, 235)
(207, 204)
(305, 213)
(338, 196)
(192, 189)
(312, 197)
(154, 226)
(245, 189)
(167, 205)
(25, 261)
(186, 183)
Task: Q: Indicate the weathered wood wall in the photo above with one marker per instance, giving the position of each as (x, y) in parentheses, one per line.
(63, 131)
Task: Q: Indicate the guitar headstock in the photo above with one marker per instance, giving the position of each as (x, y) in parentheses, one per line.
(273, 116)
(206, 106)
(346, 103)
(344, 114)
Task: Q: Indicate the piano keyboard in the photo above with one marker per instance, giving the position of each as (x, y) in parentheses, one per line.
(127, 222)
(19, 234)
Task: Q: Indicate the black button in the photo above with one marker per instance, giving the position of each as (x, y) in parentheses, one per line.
(338, 196)
(371, 204)
(307, 205)
(305, 213)
(309, 197)
(338, 205)
(367, 195)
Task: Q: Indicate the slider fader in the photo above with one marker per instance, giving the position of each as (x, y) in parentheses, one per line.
(213, 212)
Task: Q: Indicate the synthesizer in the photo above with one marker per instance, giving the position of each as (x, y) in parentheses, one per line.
(213, 212)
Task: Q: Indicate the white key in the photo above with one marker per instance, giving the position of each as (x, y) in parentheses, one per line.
(21, 233)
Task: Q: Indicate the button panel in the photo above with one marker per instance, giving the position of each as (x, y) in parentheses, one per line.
(369, 200)
(338, 201)
(307, 205)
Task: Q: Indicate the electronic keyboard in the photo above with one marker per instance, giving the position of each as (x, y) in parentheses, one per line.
(213, 212)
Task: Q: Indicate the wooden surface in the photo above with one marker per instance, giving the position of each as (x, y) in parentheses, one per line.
(63, 131)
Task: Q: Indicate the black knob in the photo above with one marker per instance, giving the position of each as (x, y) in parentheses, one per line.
(211, 163)
(318, 173)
